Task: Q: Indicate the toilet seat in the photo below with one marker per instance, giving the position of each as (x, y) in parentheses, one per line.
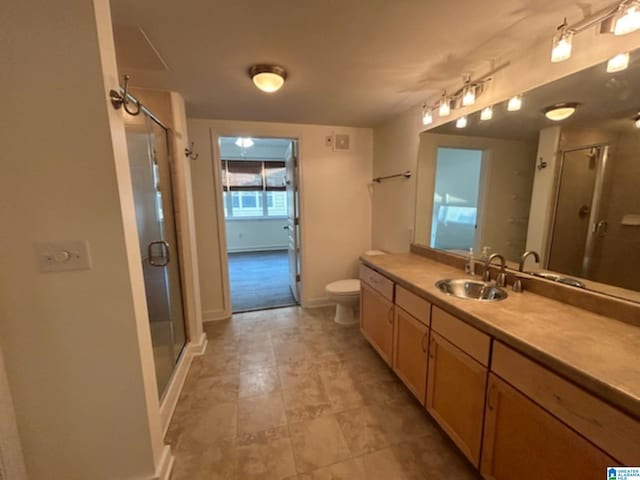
(344, 287)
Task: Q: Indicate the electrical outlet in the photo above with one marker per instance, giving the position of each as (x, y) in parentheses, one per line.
(328, 141)
(63, 256)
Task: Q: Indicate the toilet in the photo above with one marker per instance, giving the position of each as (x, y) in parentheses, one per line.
(346, 295)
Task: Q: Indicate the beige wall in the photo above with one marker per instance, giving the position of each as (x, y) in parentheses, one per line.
(76, 344)
(335, 203)
(396, 141)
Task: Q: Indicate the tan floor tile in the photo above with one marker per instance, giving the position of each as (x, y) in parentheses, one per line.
(218, 463)
(384, 464)
(307, 400)
(259, 382)
(317, 443)
(265, 455)
(218, 389)
(364, 430)
(206, 426)
(261, 413)
(348, 470)
(257, 359)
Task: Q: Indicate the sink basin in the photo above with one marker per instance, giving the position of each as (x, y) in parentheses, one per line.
(471, 289)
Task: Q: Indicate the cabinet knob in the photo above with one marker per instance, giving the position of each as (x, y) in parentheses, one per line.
(424, 347)
(491, 397)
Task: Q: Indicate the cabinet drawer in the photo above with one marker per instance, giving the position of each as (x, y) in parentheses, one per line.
(381, 283)
(470, 340)
(605, 426)
(413, 304)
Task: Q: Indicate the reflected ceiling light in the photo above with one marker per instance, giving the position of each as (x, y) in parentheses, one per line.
(468, 93)
(427, 117)
(515, 103)
(486, 113)
(637, 120)
(244, 142)
(562, 43)
(560, 111)
(268, 78)
(445, 106)
(461, 122)
(618, 63)
(627, 19)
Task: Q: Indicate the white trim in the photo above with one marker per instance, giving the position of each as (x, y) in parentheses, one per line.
(172, 394)
(266, 248)
(317, 302)
(165, 465)
(215, 315)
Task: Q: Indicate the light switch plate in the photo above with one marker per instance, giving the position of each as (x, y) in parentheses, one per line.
(63, 256)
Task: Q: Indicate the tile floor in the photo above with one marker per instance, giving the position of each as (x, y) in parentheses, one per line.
(288, 394)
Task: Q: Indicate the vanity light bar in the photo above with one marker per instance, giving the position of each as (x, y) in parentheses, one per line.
(620, 19)
(464, 97)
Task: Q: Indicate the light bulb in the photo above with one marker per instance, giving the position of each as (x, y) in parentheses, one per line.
(618, 63)
(486, 113)
(445, 107)
(562, 44)
(461, 122)
(637, 119)
(515, 103)
(628, 20)
(427, 117)
(469, 95)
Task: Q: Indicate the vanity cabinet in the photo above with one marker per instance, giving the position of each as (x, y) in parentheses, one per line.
(412, 317)
(457, 377)
(523, 441)
(376, 320)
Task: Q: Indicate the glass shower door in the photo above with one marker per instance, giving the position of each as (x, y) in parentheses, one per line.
(152, 190)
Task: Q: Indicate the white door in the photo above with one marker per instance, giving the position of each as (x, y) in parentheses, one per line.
(293, 220)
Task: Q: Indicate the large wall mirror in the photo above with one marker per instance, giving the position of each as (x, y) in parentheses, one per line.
(568, 189)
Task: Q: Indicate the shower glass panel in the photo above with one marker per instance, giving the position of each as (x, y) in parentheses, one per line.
(151, 174)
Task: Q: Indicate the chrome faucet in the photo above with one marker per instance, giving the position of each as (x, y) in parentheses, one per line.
(517, 285)
(524, 256)
(501, 279)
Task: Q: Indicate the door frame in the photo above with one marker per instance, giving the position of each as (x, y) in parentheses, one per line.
(223, 255)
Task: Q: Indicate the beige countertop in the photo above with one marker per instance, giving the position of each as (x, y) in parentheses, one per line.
(598, 353)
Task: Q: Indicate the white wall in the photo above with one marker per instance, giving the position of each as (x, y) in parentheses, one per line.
(256, 235)
(76, 345)
(335, 206)
(396, 140)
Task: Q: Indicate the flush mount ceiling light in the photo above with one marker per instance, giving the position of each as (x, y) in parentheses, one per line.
(461, 122)
(562, 43)
(268, 78)
(244, 142)
(627, 19)
(486, 113)
(560, 111)
(515, 103)
(618, 63)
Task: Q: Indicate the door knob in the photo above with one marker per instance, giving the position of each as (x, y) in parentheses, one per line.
(164, 256)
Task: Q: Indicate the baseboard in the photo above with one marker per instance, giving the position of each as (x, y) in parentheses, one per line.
(165, 466)
(170, 400)
(316, 302)
(258, 248)
(215, 316)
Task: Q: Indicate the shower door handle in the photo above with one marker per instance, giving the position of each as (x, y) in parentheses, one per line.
(161, 260)
(601, 228)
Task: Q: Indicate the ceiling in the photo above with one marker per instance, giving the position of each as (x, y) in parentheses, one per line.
(350, 62)
(607, 100)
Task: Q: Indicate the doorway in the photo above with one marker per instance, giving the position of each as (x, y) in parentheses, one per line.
(455, 202)
(261, 210)
(151, 177)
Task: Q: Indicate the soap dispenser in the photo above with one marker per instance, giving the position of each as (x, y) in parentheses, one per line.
(470, 267)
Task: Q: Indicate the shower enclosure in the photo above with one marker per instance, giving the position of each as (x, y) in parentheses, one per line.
(578, 224)
(151, 177)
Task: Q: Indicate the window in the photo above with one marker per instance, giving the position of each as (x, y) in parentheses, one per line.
(254, 189)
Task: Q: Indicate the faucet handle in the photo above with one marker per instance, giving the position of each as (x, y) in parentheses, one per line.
(486, 276)
(501, 279)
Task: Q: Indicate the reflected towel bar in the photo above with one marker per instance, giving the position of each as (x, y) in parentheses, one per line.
(406, 174)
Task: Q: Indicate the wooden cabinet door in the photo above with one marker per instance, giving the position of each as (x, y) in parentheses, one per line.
(523, 441)
(456, 394)
(376, 321)
(411, 339)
